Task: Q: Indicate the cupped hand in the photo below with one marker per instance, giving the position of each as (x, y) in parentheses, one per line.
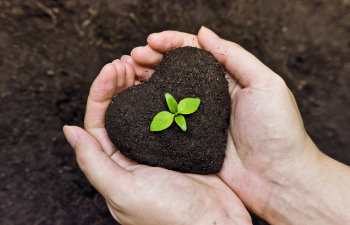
(266, 141)
(139, 194)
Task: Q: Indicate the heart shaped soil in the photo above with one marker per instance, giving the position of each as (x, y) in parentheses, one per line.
(184, 73)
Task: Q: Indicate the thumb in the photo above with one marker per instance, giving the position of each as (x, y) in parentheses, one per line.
(241, 64)
(102, 172)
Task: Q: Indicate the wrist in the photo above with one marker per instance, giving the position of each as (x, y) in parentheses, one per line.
(309, 192)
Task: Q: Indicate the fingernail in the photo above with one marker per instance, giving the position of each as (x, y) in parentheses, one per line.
(132, 53)
(70, 134)
(209, 32)
(122, 58)
(153, 36)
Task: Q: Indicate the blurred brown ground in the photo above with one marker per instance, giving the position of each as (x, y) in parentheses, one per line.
(50, 52)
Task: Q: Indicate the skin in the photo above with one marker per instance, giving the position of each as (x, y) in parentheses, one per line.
(271, 163)
(139, 194)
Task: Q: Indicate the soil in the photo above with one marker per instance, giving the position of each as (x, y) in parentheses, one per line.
(184, 73)
(51, 50)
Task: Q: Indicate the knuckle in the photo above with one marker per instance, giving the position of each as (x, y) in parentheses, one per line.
(236, 45)
(233, 46)
(278, 81)
(273, 81)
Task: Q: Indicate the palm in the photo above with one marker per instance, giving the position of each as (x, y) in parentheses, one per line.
(163, 192)
(264, 129)
(186, 196)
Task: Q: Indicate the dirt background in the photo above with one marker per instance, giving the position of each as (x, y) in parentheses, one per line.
(50, 52)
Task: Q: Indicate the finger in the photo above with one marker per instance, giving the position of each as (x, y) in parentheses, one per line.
(121, 76)
(142, 73)
(109, 178)
(123, 161)
(168, 40)
(130, 75)
(242, 65)
(101, 93)
(146, 56)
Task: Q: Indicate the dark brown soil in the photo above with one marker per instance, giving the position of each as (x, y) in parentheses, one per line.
(51, 50)
(184, 73)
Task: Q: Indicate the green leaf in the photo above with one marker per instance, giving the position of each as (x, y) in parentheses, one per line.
(162, 121)
(188, 105)
(180, 120)
(172, 104)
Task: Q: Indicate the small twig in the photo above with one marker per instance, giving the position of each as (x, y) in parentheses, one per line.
(48, 11)
(39, 221)
(78, 29)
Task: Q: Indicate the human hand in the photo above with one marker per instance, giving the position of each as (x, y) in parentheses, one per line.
(271, 162)
(139, 194)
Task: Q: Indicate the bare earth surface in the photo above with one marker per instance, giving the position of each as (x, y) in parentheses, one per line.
(50, 52)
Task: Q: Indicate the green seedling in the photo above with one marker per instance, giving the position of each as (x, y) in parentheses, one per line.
(164, 119)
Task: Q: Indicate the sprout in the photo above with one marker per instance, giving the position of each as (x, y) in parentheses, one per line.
(164, 119)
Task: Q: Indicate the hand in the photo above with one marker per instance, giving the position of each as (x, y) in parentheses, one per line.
(139, 194)
(271, 162)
